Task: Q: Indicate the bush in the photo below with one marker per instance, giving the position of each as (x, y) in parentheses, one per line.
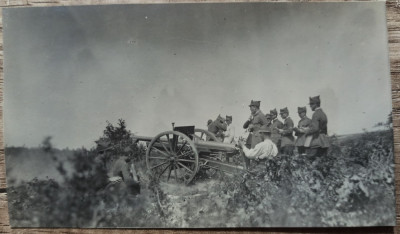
(119, 141)
(352, 186)
(291, 191)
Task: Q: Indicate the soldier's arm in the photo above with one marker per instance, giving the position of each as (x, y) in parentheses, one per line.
(252, 153)
(314, 125)
(262, 119)
(296, 130)
(289, 129)
(307, 123)
(246, 124)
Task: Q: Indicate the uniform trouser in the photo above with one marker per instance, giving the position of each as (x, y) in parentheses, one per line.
(248, 140)
(287, 149)
(314, 153)
(255, 139)
(301, 149)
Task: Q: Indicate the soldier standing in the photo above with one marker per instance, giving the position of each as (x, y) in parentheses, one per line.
(253, 124)
(275, 125)
(318, 129)
(256, 120)
(304, 123)
(287, 140)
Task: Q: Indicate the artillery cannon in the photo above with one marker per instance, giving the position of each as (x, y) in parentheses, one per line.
(178, 155)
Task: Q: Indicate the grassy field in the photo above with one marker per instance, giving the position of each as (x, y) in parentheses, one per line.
(353, 186)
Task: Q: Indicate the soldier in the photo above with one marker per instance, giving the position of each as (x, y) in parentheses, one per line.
(318, 129)
(229, 134)
(256, 120)
(266, 149)
(269, 119)
(120, 170)
(253, 124)
(304, 123)
(275, 125)
(287, 140)
(217, 127)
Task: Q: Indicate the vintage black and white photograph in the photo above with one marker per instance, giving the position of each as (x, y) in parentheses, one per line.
(198, 115)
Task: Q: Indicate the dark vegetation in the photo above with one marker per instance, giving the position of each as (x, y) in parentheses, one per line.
(353, 186)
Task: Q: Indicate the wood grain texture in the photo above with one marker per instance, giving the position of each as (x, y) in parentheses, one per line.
(393, 25)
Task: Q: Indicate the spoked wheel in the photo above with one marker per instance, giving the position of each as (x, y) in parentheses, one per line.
(172, 157)
(204, 135)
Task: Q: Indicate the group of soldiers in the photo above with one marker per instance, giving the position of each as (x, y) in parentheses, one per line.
(269, 136)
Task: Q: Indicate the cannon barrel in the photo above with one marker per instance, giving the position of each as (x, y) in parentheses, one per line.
(142, 138)
(204, 146)
(201, 146)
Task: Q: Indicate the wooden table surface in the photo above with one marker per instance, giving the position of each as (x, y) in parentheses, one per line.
(393, 25)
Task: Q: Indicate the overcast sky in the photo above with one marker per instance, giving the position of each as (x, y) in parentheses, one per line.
(70, 69)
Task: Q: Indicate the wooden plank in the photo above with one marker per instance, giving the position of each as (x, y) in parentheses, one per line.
(393, 23)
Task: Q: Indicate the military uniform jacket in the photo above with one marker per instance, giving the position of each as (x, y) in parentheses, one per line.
(301, 137)
(254, 125)
(287, 133)
(275, 135)
(318, 130)
(217, 127)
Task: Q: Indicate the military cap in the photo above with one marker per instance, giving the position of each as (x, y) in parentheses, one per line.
(265, 129)
(255, 103)
(209, 122)
(273, 112)
(314, 100)
(229, 117)
(301, 109)
(284, 110)
(269, 116)
(220, 118)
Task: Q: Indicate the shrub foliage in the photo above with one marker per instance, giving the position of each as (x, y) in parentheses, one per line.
(353, 185)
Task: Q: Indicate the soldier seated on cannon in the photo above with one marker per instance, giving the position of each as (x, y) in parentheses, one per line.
(217, 127)
(120, 170)
(264, 150)
(229, 134)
